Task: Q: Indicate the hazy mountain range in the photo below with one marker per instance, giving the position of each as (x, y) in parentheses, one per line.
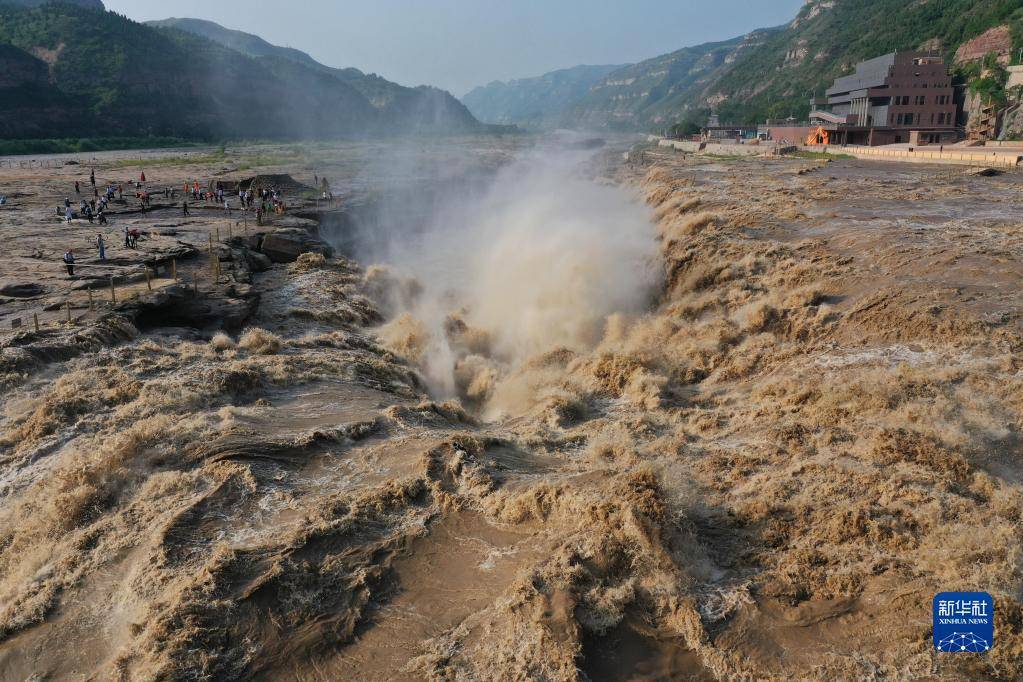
(401, 108)
(74, 70)
(543, 101)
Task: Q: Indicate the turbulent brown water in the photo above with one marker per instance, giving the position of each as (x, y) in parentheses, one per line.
(599, 420)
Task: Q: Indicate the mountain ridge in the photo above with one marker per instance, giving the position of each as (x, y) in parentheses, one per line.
(401, 107)
(539, 101)
(651, 92)
(70, 71)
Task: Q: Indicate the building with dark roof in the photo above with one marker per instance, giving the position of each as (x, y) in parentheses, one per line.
(899, 97)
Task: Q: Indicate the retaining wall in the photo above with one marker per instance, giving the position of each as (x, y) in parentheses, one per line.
(719, 149)
(994, 159)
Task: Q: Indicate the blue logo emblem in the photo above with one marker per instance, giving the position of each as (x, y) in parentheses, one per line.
(964, 621)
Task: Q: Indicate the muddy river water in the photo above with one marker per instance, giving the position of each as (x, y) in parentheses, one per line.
(548, 414)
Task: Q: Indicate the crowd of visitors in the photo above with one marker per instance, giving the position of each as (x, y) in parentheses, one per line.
(263, 200)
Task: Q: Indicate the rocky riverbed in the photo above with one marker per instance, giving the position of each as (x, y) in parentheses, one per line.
(765, 466)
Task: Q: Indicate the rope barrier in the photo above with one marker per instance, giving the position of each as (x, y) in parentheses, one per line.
(61, 264)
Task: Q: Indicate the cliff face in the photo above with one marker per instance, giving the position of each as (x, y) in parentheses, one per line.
(997, 40)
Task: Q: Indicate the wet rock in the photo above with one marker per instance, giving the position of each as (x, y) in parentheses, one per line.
(294, 221)
(22, 289)
(984, 172)
(177, 306)
(286, 245)
(258, 262)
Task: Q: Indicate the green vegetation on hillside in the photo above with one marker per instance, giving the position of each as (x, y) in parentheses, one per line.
(400, 108)
(77, 145)
(772, 73)
(764, 84)
(987, 80)
(656, 93)
(103, 75)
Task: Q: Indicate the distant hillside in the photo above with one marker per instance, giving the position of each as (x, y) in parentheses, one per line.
(535, 102)
(69, 71)
(401, 108)
(771, 73)
(656, 92)
(246, 43)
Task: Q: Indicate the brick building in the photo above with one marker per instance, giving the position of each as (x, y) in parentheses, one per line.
(902, 97)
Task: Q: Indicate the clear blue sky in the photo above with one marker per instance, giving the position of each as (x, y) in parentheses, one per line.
(458, 44)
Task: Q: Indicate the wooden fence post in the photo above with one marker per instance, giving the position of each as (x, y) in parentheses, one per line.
(174, 269)
(90, 299)
(149, 282)
(35, 318)
(113, 291)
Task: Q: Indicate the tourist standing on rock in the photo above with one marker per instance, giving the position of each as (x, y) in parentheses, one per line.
(68, 215)
(69, 262)
(92, 176)
(127, 238)
(102, 216)
(184, 207)
(142, 177)
(120, 191)
(102, 245)
(78, 189)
